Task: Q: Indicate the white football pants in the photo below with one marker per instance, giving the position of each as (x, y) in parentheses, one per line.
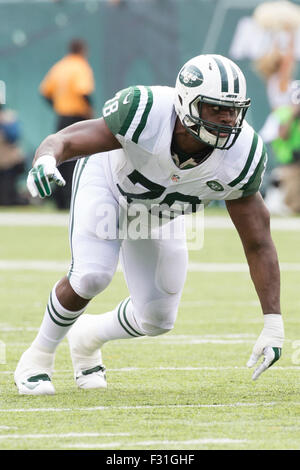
(154, 269)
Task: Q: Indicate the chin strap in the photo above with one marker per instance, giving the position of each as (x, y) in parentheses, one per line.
(211, 139)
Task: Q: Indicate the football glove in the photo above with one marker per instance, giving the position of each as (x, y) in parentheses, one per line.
(41, 175)
(268, 345)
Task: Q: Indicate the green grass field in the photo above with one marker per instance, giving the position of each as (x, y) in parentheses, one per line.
(188, 389)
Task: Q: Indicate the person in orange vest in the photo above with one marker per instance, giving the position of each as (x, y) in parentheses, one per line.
(68, 87)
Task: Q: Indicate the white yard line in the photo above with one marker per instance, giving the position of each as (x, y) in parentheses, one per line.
(84, 445)
(23, 219)
(148, 407)
(129, 445)
(7, 428)
(201, 341)
(61, 220)
(277, 223)
(145, 342)
(7, 329)
(171, 339)
(180, 369)
(66, 435)
(209, 303)
(58, 266)
(34, 265)
(234, 267)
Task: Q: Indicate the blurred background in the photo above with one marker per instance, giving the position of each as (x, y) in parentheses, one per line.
(145, 42)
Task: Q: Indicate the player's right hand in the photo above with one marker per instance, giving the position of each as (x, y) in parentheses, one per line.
(268, 345)
(41, 175)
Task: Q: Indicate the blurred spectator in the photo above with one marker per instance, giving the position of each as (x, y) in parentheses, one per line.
(281, 129)
(67, 87)
(12, 161)
(284, 137)
(277, 68)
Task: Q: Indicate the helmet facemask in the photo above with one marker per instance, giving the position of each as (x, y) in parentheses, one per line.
(210, 132)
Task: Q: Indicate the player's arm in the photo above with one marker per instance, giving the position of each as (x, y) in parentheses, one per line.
(78, 140)
(252, 221)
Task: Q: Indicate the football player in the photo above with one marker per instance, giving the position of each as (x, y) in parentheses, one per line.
(195, 131)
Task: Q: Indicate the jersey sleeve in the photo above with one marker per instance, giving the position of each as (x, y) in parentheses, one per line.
(255, 180)
(126, 114)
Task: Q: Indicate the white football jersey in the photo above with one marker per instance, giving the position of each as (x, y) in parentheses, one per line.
(142, 119)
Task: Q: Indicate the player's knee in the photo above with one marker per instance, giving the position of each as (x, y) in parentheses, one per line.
(158, 317)
(154, 330)
(94, 283)
(88, 285)
(171, 271)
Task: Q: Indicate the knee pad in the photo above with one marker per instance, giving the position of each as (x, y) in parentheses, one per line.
(152, 330)
(157, 317)
(88, 285)
(171, 271)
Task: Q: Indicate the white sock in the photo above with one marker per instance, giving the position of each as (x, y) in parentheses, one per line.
(55, 325)
(120, 323)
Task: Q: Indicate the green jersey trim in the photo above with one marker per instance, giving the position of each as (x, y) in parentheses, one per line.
(252, 186)
(127, 113)
(143, 121)
(119, 111)
(248, 162)
(133, 108)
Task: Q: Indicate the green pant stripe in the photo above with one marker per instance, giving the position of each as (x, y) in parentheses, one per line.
(248, 162)
(76, 178)
(72, 214)
(126, 320)
(121, 323)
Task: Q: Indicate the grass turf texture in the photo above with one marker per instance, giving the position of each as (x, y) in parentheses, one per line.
(188, 389)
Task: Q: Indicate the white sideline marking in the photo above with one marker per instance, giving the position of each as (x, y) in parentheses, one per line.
(14, 219)
(191, 368)
(62, 220)
(171, 339)
(57, 266)
(6, 329)
(161, 368)
(200, 341)
(152, 443)
(146, 342)
(70, 434)
(7, 428)
(234, 267)
(203, 303)
(34, 265)
(277, 223)
(144, 407)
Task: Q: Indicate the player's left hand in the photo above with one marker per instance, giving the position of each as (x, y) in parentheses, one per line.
(268, 345)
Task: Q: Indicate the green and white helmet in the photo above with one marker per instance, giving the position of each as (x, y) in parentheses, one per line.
(215, 80)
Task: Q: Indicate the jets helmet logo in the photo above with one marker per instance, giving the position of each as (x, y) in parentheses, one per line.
(191, 76)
